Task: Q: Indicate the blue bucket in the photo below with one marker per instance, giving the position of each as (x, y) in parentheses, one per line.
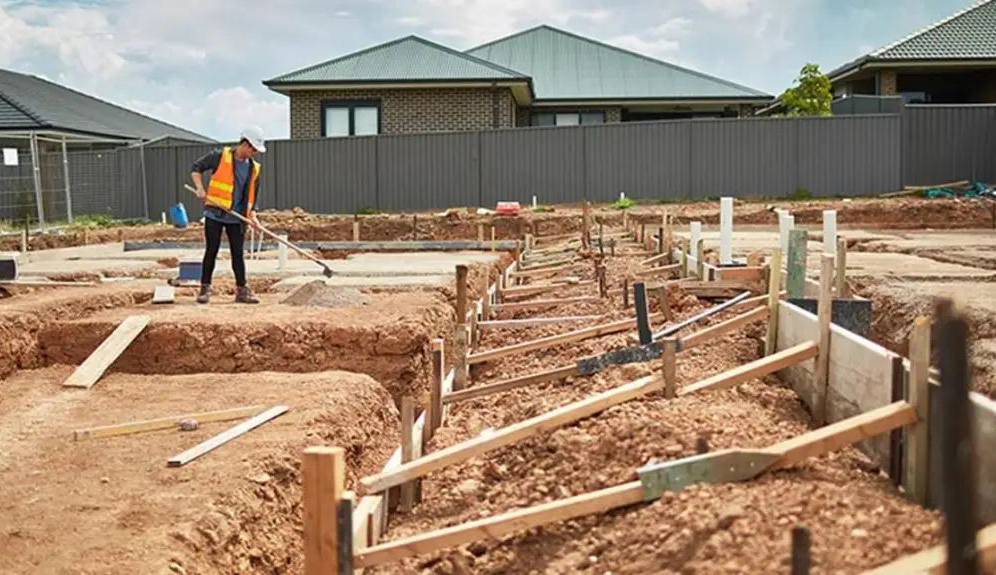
(178, 214)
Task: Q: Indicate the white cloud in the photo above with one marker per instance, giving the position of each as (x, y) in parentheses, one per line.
(662, 41)
(235, 108)
(342, 14)
(728, 8)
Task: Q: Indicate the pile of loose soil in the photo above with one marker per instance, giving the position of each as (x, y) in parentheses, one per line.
(387, 339)
(111, 505)
(319, 294)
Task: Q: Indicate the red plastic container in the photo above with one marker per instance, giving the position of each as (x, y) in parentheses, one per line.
(507, 208)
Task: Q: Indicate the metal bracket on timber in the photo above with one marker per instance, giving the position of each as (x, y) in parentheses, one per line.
(724, 466)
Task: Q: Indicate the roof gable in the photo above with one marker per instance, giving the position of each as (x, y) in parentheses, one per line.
(970, 33)
(29, 102)
(567, 66)
(408, 59)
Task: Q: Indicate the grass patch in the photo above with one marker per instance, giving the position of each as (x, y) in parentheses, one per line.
(367, 211)
(542, 209)
(623, 204)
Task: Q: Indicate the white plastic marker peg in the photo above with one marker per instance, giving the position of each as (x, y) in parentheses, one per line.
(830, 232)
(725, 231)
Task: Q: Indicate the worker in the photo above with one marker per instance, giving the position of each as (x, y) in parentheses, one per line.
(234, 186)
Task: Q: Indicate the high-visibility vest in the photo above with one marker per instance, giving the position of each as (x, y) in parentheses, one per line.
(219, 191)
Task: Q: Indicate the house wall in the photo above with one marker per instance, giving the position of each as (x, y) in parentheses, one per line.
(407, 111)
(524, 115)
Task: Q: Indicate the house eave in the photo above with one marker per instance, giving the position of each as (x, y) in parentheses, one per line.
(710, 101)
(521, 88)
(870, 64)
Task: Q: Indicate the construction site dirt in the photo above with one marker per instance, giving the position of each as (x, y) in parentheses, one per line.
(342, 354)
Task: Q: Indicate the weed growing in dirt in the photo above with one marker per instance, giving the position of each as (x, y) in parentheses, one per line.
(801, 194)
(623, 204)
(367, 211)
(543, 209)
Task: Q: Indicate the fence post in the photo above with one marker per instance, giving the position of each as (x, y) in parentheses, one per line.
(36, 171)
(323, 473)
(65, 176)
(145, 180)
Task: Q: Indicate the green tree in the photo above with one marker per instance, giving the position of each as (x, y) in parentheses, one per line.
(810, 95)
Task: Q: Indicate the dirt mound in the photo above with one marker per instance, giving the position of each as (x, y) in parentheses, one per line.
(23, 316)
(318, 293)
(387, 339)
(234, 510)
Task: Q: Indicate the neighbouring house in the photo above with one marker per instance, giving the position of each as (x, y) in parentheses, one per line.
(952, 61)
(42, 127)
(539, 77)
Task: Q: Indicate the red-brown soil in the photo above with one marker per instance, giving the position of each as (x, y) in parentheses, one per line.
(111, 505)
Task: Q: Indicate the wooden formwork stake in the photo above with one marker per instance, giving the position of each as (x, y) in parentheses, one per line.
(480, 232)
(824, 307)
(896, 457)
(664, 304)
(460, 332)
(625, 220)
(585, 230)
(643, 234)
(774, 287)
(668, 239)
(843, 291)
(436, 386)
(603, 288)
(795, 280)
(957, 443)
(917, 450)
(669, 359)
(700, 260)
(493, 238)
(407, 451)
(625, 293)
(801, 559)
(356, 228)
(684, 259)
(344, 533)
(415, 227)
(323, 472)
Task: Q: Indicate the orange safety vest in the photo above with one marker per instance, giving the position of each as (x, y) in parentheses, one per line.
(219, 191)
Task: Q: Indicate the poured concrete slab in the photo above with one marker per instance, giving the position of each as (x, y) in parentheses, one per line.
(50, 267)
(881, 264)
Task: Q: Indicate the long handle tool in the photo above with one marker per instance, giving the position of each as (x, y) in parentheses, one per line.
(325, 268)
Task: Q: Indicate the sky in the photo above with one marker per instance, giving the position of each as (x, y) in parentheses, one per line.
(200, 64)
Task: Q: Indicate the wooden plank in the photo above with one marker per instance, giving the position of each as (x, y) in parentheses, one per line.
(823, 333)
(165, 422)
(323, 472)
(934, 561)
(534, 321)
(843, 291)
(344, 533)
(539, 304)
(539, 273)
(493, 528)
(659, 271)
(917, 448)
(642, 313)
(754, 369)
(749, 274)
(104, 356)
(712, 332)
(532, 290)
(658, 258)
(407, 452)
(45, 283)
(513, 383)
(843, 433)
(508, 435)
(226, 436)
(436, 386)
(555, 340)
(774, 286)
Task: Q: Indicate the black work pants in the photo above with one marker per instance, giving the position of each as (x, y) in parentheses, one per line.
(236, 240)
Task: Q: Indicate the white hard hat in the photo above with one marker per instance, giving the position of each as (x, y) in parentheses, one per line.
(254, 135)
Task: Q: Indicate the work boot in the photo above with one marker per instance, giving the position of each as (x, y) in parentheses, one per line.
(244, 295)
(205, 295)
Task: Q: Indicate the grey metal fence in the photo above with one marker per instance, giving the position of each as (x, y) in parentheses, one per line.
(832, 156)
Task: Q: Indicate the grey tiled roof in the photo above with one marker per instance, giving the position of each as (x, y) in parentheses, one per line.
(408, 59)
(31, 103)
(567, 66)
(965, 35)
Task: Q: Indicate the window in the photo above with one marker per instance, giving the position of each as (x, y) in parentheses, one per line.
(568, 118)
(345, 118)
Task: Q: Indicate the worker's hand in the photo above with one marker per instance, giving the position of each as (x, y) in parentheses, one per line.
(200, 193)
(254, 220)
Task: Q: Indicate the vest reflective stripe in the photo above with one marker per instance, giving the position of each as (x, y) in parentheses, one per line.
(222, 184)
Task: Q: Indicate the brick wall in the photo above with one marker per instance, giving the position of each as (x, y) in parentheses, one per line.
(405, 111)
(887, 83)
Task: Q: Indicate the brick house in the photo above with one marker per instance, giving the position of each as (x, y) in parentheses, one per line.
(952, 61)
(540, 77)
